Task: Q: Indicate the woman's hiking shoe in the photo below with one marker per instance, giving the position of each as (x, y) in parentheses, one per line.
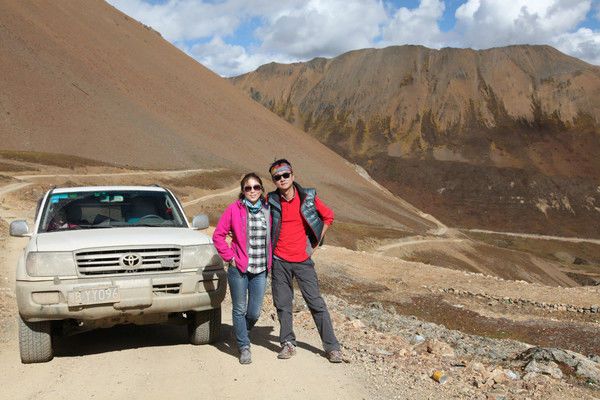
(245, 356)
(334, 356)
(287, 351)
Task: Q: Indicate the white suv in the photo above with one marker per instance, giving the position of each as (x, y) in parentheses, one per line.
(102, 256)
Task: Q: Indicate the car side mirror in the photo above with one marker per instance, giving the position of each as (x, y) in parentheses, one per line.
(200, 221)
(19, 228)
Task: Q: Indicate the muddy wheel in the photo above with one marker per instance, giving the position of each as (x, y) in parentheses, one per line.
(35, 341)
(205, 326)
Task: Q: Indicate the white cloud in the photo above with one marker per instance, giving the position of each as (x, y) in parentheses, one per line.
(231, 60)
(299, 30)
(417, 26)
(322, 28)
(181, 20)
(583, 44)
(489, 23)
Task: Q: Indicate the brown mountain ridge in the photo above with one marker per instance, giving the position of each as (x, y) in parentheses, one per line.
(478, 138)
(93, 83)
(89, 81)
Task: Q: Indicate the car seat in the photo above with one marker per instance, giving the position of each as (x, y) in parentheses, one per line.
(140, 207)
(73, 214)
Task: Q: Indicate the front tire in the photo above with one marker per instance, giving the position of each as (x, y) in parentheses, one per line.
(205, 326)
(35, 341)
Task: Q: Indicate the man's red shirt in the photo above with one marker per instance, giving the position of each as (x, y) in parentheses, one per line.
(292, 243)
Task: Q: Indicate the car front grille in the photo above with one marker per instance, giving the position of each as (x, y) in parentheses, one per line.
(128, 260)
(166, 289)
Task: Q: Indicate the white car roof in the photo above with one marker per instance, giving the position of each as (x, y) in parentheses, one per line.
(108, 188)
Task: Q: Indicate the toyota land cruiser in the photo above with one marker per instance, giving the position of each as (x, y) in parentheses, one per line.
(102, 256)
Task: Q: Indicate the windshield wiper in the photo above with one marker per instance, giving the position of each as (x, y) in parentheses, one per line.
(95, 226)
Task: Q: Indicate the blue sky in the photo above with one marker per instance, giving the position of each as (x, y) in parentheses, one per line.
(232, 37)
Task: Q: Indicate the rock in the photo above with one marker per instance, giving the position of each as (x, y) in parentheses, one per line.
(438, 348)
(358, 324)
(511, 374)
(563, 256)
(589, 371)
(374, 305)
(594, 358)
(499, 376)
(480, 369)
(547, 369)
(530, 376)
(580, 261)
(584, 367)
(417, 339)
(384, 352)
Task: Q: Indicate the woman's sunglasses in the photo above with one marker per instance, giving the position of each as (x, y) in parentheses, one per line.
(255, 187)
(285, 175)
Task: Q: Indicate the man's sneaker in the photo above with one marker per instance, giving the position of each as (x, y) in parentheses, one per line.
(334, 356)
(245, 357)
(287, 351)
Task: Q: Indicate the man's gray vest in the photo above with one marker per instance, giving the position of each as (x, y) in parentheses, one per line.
(308, 210)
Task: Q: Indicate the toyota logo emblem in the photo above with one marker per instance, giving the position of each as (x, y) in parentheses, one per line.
(130, 261)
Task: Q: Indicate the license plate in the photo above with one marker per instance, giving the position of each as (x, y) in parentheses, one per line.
(83, 297)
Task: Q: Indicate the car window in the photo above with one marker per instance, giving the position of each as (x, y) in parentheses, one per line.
(106, 209)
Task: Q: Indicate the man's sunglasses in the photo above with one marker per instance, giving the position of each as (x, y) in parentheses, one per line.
(285, 175)
(255, 187)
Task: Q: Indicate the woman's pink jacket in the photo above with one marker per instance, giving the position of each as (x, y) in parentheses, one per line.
(234, 220)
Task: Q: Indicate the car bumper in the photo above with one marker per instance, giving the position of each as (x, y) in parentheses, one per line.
(138, 295)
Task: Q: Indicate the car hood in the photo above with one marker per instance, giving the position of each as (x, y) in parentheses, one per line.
(111, 237)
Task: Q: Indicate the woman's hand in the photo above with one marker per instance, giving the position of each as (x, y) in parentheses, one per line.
(232, 262)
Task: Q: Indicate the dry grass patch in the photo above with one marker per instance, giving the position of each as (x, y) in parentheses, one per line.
(207, 180)
(8, 167)
(581, 261)
(3, 228)
(52, 159)
(214, 209)
(5, 178)
(356, 236)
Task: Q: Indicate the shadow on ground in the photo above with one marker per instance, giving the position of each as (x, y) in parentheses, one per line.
(126, 337)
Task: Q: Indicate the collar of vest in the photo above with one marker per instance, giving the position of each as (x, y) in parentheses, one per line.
(275, 196)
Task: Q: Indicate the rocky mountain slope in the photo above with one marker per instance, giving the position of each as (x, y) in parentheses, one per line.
(479, 138)
(90, 81)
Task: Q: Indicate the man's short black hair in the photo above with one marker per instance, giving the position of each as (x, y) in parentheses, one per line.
(280, 161)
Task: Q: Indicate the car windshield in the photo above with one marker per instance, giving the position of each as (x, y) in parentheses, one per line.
(107, 209)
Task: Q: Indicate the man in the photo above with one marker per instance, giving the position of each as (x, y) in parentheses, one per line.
(299, 222)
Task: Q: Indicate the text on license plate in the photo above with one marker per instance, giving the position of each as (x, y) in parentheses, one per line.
(93, 296)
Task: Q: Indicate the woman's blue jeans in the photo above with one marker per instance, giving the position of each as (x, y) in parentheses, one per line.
(247, 293)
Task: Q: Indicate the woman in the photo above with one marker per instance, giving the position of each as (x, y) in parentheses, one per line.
(249, 257)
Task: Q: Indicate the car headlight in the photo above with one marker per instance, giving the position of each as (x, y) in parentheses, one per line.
(200, 257)
(50, 264)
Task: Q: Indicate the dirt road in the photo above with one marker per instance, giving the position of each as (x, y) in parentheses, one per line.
(156, 362)
(543, 237)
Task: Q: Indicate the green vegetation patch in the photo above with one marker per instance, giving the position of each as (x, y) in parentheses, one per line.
(52, 159)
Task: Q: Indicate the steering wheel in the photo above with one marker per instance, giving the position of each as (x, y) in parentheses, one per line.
(149, 216)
